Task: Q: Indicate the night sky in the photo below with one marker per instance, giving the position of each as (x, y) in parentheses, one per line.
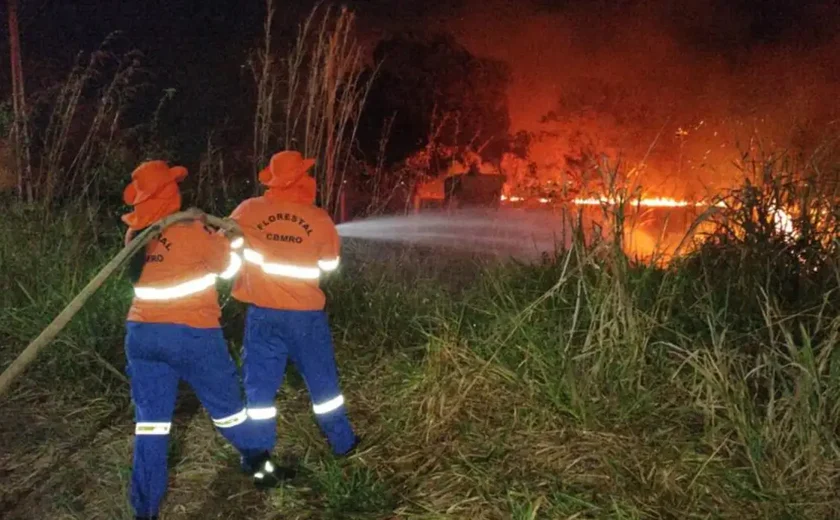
(210, 38)
(199, 47)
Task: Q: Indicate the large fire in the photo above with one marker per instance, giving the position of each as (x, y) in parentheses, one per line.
(646, 202)
(652, 240)
(650, 92)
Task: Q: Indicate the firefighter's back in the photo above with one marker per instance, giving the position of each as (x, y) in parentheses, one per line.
(287, 246)
(178, 281)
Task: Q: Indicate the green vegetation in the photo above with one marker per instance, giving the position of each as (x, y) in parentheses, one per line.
(588, 386)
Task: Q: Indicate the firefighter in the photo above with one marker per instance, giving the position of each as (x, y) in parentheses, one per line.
(173, 333)
(289, 244)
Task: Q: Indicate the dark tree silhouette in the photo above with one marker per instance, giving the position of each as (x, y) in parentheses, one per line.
(435, 88)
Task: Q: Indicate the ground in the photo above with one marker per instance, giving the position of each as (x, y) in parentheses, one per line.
(576, 388)
(435, 447)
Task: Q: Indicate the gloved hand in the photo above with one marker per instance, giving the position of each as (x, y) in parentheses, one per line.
(231, 229)
(230, 224)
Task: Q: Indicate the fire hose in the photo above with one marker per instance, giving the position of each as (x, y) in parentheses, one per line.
(51, 331)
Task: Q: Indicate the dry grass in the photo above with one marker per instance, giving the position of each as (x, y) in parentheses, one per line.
(262, 65)
(311, 98)
(79, 136)
(584, 387)
(326, 88)
(450, 436)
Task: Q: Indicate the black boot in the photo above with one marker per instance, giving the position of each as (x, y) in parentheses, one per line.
(266, 473)
(249, 464)
(146, 517)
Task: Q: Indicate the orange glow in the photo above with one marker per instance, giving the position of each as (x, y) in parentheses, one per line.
(648, 202)
(657, 240)
(686, 130)
(652, 202)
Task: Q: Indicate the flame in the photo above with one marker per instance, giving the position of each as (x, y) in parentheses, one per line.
(649, 202)
(781, 218)
(784, 222)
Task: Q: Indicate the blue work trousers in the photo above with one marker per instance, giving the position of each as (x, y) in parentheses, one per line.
(159, 356)
(273, 337)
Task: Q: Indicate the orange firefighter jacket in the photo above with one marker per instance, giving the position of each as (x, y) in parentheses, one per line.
(288, 246)
(178, 281)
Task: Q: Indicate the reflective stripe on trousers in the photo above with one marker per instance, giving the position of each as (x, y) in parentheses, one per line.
(152, 428)
(232, 420)
(262, 414)
(273, 337)
(270, 412)
(159, 356)
(329, 406)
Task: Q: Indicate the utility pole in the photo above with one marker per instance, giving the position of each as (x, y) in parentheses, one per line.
(20, 131)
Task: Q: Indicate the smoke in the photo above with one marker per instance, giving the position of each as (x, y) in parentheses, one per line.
(686, 85)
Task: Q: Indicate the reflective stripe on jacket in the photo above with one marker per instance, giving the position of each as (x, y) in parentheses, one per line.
(178, 281)
(288, 247)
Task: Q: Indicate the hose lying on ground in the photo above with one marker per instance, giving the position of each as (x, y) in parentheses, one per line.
(33, 349)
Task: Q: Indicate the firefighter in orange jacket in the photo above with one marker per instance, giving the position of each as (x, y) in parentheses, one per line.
(289, 243)
(173, 333)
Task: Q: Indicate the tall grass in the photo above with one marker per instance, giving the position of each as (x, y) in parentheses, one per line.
(44, 266)
(262, 64)
(79, 139)
(312, 103)
(747, 392)
(326, 89)
(586, 385)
